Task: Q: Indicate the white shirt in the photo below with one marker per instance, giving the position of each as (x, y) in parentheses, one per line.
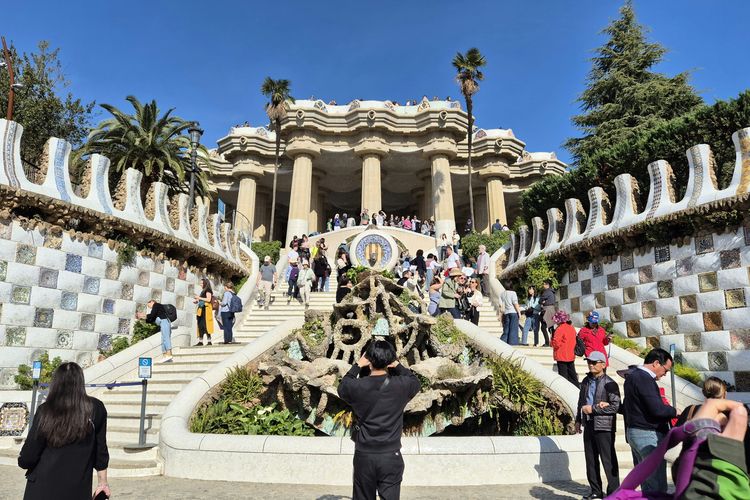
(483, 263)
(476, 298)
(508, 298)
(292, 255)
(653, 375)
(452, 260)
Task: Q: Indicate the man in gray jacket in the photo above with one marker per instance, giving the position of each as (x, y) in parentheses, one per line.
(598, 403)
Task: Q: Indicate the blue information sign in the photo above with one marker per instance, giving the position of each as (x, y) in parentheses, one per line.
(221, 208)
(36, 371)
(144, 367)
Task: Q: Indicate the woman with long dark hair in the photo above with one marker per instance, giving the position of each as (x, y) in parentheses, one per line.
(67, 441)
(204, 312)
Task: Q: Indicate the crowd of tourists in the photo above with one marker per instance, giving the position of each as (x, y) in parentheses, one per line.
(380, 218)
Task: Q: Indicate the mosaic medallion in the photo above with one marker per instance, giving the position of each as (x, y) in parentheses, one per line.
(123, 326)
(73, 263)
(708, 282)
(573, 275)
(373, 250)
(48, 278)
(96, 250)
(91, 285)
(26, 254)
(3, 270)
(108, 306)
(64, 339)
(113, 271)
(43, 317)
(648, 308)
(126, 292)
(669, 325)
(628, 295)
(613, 281)
(712, 321)
(661, 253)
(730, 258)
(597, 269)
(688, 304)
(633, 328)
(740, 339)
(15, 335)
(20, 294)
(665, 289)
(585, 287)
(735, 298)
(645, 274)
(69, 301)
(87, 322)
(627, 262)
(13, 419)
(704, 244)
(601, 300)
(717, 361)
(693, 342)
(105, 342)
(615, 314)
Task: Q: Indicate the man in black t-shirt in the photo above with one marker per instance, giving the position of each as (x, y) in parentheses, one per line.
(378, 401)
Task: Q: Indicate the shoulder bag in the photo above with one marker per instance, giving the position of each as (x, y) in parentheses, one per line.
(356, 426)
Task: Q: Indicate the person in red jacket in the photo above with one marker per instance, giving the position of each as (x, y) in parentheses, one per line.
(594, 336)
(563, 347)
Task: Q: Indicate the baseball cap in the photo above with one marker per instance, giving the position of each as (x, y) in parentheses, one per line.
(594, 317)
(597, 356)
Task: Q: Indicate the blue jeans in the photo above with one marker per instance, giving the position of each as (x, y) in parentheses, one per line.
(165, 327)
(227, 322)
(642, 442)
(453, 311)
(510, 329)
(531, 323)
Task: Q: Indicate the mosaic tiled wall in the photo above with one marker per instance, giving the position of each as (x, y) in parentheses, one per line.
(71, 297)
(695, 296)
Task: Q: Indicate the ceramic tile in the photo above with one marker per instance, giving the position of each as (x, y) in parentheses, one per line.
(693, 342)
(123, 326)
(158, 266)
(105, 342)
(108, 306)
(601, 300)
(717, 361)
(156, 295)
(735, 298)
(87, 322)
(3, 270)
(143, 278)
(597, 269)
(665, 289)
(653, 342)
(613, 281)
(563, 290)
(684, 267)
(573, 275)
(627, 262)
(708, 282)
(712, 321)
(69, 301)
(20, 294)
(15, 335)
(91, 285)
(43, 317)
(112, 271)
(628, 295)
(740, 339)
(585, 287)
(746, 230)
(141, 308)
(615, 314)
(48, 278)
(73, 263)
(96, 250)
(13, 418)
(170, 284)
(26, 254)
(182, 273)
(669, 325)
(6, 230)
(704, 244)
(127, 291)
(64, 339)
(180, 302)
(575, 305)
(648, 308)
(688, 304)
(633, 328)
(661, 253)
(730, 258)
(645, 274)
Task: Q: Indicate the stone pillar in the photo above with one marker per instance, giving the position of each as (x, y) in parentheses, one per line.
(299, 198)
(314, 215)
(442, 195)
(371, 150)
(493, 176)
(481, 225)
(262, 216)
(245, 221)
(323, 214)
(427, 206)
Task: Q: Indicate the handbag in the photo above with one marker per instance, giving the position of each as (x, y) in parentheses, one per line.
(681, 473)
(356, 426)
(580, 348)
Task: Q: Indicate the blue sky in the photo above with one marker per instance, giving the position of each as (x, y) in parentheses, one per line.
(208, 59)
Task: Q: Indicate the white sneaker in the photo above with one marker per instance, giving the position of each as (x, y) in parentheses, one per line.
(166, 360)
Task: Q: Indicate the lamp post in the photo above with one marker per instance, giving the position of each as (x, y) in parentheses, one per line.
(195, 139)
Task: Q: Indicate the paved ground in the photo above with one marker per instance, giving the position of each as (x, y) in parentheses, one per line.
(12, 484)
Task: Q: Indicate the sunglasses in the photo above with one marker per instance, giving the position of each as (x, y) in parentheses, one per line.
(593, 362)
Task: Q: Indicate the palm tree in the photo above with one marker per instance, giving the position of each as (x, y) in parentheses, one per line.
(277, 92)
(155, 145)
(468, 78)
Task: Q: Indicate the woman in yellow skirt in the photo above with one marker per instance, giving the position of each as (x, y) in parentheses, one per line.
(204, 312)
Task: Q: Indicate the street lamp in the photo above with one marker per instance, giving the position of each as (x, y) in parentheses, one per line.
(195, 139)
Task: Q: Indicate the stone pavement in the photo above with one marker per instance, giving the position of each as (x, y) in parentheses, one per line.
(12, 484)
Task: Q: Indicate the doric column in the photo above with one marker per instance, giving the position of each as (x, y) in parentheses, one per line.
(481, 225)
(427, 208)
(245, 220)
(313, 215)
(323, 215)
(371, 150)
(299, 198)
(493, 176)
(262, 215)
(440, 151)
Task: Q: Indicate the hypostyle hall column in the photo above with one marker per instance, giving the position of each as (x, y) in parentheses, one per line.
(427, 206)
(302, 151)
(246, 203)
(262, 215)
(314, 214)
(371, 150)
(493, 176)
(440, 152)
(481, 225)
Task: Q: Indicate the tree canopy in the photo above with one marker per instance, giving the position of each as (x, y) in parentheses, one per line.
(43, 105)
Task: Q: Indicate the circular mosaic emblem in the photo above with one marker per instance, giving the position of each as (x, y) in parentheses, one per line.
(373, 250)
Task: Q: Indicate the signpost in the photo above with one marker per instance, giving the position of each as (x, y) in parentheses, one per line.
(671, 372)
(221, 209)
(144, 373)
(36, 374)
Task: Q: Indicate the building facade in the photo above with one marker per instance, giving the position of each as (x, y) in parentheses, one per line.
(375, 155)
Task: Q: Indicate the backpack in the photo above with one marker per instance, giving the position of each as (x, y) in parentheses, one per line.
(235, 304)
(171, 312)
(580, 349)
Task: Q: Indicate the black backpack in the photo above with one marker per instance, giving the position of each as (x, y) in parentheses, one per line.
(171, 312)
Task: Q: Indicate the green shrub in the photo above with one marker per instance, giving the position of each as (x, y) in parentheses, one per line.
(241, 386)
(688, 373)
(470, 243)
(537, 271)
(353, 272)
(24, 380)
(263, 248)
(446, 331)
(143, 330)
(449, 371)
(313, 332)
(126, 252)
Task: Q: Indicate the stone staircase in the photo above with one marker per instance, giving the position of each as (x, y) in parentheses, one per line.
(168, 379)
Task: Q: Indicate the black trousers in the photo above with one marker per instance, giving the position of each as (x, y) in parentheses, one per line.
(378, 472)
(567, 369)
(600, 445)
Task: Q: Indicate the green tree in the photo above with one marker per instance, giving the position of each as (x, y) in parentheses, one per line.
(468, 77)
(624, 95)
(43, 105)
(150, 142)
(277, 91)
